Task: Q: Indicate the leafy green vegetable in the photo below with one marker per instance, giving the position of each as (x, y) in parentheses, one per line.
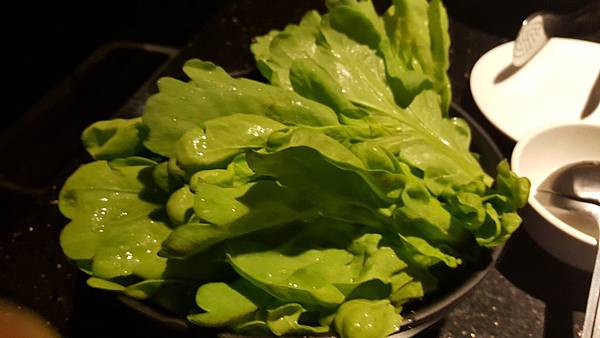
(111, 206)
(117, 138)
(362, 318)
(324, 201)
(224, 305)
(222, 139)
(171, 294)
(357, 84)
(181, 107)
(285, 320)
(232, 212)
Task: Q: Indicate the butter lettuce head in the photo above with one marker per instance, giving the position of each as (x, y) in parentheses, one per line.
(323, 201)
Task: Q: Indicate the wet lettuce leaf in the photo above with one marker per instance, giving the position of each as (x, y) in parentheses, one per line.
(225, 304)
(116, 138)
(118, 224)
(346, 68)
(182, 106)
(114, 221)
(224, 213)
(361, 318)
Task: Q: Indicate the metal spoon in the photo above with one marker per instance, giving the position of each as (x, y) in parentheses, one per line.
(576, 187)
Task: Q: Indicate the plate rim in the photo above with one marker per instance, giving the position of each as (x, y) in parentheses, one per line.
(493, 117)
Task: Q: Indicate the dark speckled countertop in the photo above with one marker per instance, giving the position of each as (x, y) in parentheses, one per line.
(528, 294)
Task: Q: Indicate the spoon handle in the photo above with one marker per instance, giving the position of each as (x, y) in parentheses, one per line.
(591, 324)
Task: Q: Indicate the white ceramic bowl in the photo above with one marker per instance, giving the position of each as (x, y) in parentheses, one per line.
(536, 156)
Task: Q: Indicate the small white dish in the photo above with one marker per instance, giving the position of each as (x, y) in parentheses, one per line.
(538, 155)
(552, 88)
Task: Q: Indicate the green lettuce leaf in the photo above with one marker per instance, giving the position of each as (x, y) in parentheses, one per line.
(224, 304)
(222, 139)
(172, 295)
(114, 209)
(286, 320)
(181, 107)
(231, 212)
(362, 318)
(345, 68)
(116, 138)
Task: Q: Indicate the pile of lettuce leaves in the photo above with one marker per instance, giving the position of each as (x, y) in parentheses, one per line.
(323, 201)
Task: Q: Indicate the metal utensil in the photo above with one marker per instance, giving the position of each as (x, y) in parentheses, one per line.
(578, 181)
(576, 187)
(540, 26)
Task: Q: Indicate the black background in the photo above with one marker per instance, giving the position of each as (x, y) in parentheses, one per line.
(45, 40)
